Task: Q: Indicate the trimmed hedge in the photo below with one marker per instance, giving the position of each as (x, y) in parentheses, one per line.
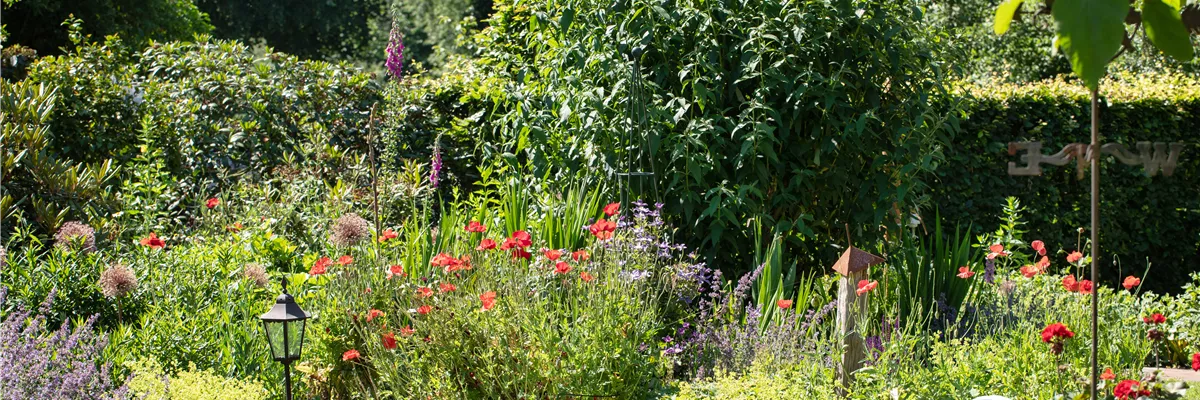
(1142, 218)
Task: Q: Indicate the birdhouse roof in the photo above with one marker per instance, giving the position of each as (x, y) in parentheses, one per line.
(854, 260)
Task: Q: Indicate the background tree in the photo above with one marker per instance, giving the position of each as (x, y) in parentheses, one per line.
(38, 23)
(307, 28)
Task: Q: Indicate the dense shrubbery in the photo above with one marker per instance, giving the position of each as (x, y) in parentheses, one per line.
(1142, 219)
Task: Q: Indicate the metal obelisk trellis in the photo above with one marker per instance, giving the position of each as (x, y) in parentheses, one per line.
(1151, 156)
(638, 160)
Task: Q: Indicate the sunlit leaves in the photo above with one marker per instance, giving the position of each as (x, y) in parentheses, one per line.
(1165, 28)
(1090, 34)
(1004, 15)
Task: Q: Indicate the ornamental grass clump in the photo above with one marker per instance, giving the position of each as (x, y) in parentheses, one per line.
(349, 230)
(36, 364)
(77, 236)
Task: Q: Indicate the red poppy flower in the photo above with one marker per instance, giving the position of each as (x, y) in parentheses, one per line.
(212, 203)
(580, 255)
(996, 250)
(1039, 247)
(1043, 263)
(1129, 390)
(1069, 283)
(235, 227)
(425, 309)
(965, 272)
(1085, 287)
(350, 355)
(522, 238)
(486, 244)
(387, 235)
(446, 287)
(395, 270)
(509, 243)
(1030, 271)
(488, 299)
(553, 255)
(1056, 332)
(442, 260)
(865, 286)
(521, 253)
(603, 229)
(389, 341)
(1131, 282)
(562, 267)
(320, 266)
(612, 209)
(784, 304)
(424, 292)
(345, 260)
(371, 315)
(586, 277)
(1074, 256)
(476, 227)
(1195, 361)
(1155, 319)
(407, 331)
(1108, 375)
(153, 241)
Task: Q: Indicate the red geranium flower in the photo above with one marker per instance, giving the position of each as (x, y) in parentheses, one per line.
(1155, 319)
(785, 304)
(488, 299)
(424, 292)
(425, 309)
(1069, 283)
(965, 272)
(865, 286)
(1056, 332)
(1128, 390)
(1195, 361)
(212, 203)
(1039, 247)
(446, 287)
(586, 277)
(486, 244)
(345, 260)
(389, 341)
(387, 235)
(553, 255)
(1074, 256)
(996, 250)
(319, 267)
(580, 255)
(476, 227)
(522, 238)
(371, 315)
(1131, 282)
(562, 267)
(1108, 375)
(153, 241)
(603, 229)
(407, 331)
(235, 227)
(612, 209)
(395, 270)
(350, 355)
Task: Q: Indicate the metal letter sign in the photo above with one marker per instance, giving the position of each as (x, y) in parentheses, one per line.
(1151, 156)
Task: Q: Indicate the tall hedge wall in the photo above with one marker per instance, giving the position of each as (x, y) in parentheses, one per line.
(1142, 218)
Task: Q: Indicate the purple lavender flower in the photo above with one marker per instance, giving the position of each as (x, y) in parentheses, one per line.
(395, 52)
(989, 271)
(435, 166)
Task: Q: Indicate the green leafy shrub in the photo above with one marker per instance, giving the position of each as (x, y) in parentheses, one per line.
(40, 21)
(1142, 218)
(148, 381)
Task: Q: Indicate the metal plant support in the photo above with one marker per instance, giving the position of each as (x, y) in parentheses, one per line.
(637, 165)
(1151, 156)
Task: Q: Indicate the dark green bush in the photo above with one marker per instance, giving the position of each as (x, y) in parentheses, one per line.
(1142, 218)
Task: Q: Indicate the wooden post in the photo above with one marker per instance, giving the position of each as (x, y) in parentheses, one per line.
(853, 267)
(849, 307)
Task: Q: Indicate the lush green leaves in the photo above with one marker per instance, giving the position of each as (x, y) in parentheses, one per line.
(1004, 15)
(1090, 34)
(1165, 28)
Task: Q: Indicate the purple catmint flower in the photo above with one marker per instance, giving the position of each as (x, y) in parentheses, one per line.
(435, 166)
(395, 52)
(989, 271)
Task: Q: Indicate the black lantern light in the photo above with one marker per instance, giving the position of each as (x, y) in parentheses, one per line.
(285, 333)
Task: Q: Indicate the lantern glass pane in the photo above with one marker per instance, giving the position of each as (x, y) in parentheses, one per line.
(295, 338)
(275, 338)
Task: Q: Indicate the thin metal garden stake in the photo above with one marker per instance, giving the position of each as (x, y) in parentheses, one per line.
(1094, 153)
(374, 178)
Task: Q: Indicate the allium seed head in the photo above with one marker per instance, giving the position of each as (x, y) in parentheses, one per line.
(117, 281)
(255, 273)
(75, 235)
(349, 229)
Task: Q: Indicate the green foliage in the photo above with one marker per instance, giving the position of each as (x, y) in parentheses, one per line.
(149, 381)
(40, 186)
(1090, 33)
(138, 21)
(1141, 219)
(435, 29)
(810, 381)
(925, 270)
(1165, 28)
(315, 29)
(811, 114)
